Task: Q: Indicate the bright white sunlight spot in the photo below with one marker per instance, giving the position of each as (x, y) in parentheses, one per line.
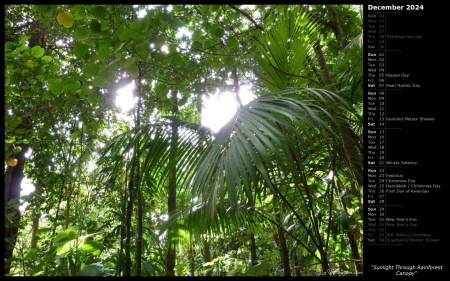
(27, 187)
(125, 99)
(219, 108)
(165, 49)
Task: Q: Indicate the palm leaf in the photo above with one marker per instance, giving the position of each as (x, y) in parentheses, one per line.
(284, 47)
(264, 132)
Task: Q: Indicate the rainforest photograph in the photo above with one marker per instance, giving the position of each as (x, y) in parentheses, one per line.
(183, 140)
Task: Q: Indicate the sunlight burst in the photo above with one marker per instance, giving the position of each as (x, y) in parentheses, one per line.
(125, 99)
(220, 108)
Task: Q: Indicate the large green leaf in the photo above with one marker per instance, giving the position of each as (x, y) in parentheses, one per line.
(46, 59)
(70, 86)
(229, 61)
(73, 99)
(58, 101)
(231, 42)
(100, 12)
(43, 8)
(104, 53)
(70, 233)
(124, 34)
(92, 247)
(16, 77)
(95, 26)
(37, 51)
(81, 32)
(32, 253)
(217, 31)
(55, 86)
(130, 66)
(257, 270)
(91, 70)
(80, 50)
(75, 134)
(65, 19)
(94, 269)
(66, 247)
(197, 35)
(141, 51)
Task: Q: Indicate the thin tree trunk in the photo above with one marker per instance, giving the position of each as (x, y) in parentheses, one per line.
(139, 230)
(58, 209)
(254, 257)
(68, 193)
(207, 256)
(206, 246)
(326, 77)
(352, 241)
(138, 185)
(353, 151)
(172, 190)
(336, 25)
(123, 232)
(191, 260)
(280, 240)
(35, 229)
(128, 221)
(284, 252)
(297, 265)
(355, 253)
(300, 176)
(236, 86)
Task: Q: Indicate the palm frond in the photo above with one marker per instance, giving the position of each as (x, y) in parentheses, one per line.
(265, 131)
(284, 47)
(154, 142)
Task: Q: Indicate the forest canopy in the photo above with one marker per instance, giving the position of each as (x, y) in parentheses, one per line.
(148, 189)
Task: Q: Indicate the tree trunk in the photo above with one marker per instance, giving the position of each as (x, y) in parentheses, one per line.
(354, 250)
(128, 222)
(284, 252)
(123, 232)
(206, 249)
(254, 258)
(336, 25)
(326, 77)
(191, 259)
(34, 236)
(280, 240)
(172, 190)
(13, 181)
(139, 230)
(207, 256)
(352, 151)
(297, 265)
(139, 214)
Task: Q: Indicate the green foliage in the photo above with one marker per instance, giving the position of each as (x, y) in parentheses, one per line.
(95, 26)
(37, 51)
(65, 19)
(262, 173)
